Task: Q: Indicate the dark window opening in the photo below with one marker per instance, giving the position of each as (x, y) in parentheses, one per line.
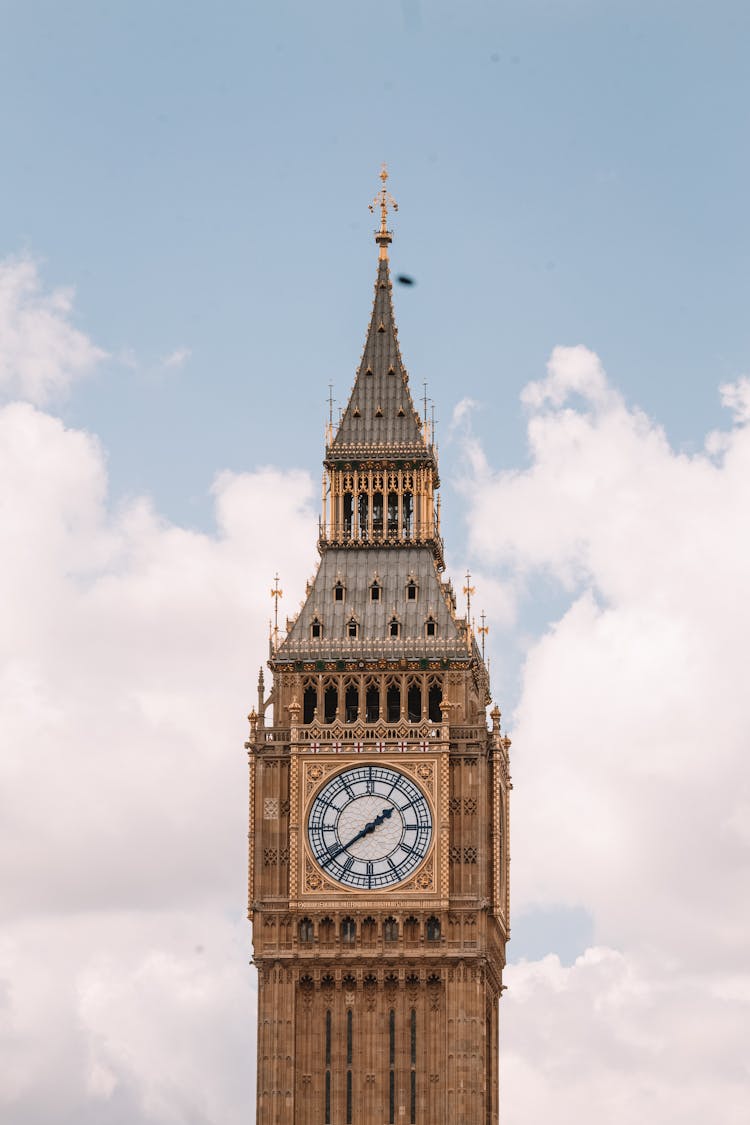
(363, 510)
(435, 701)
(369, 930)
(316, 630)
(414, 700)
(392, 513)
(375, 592)
(330, 703)
(394, 627)
(393, 703)
(377, 513)
(348, 517)
(411, 591)
(348, 931)
(351, 703)
(430, 627)
(433, 929)
(372, 703)
(306, 931)
(407, 514)
(338, 592)
(352, 628)
(309, 704)
(390, 929)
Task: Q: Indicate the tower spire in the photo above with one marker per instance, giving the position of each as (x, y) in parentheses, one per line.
(383, 200)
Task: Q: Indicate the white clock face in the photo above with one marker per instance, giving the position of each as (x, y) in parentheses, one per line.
(369, 827)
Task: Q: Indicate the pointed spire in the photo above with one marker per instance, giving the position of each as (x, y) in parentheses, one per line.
(380, 411)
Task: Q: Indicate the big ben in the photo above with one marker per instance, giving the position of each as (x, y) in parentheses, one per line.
(378, 870)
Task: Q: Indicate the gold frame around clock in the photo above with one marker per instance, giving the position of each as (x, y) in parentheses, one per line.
(425, 771)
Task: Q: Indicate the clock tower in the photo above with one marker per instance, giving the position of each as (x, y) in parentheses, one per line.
(378, 887)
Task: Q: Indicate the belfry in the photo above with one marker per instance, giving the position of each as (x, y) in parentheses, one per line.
(378, 867)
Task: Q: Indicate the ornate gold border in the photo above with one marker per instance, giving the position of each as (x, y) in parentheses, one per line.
(316, 774)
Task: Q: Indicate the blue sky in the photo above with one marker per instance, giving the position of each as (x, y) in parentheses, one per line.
(186, 258)
(567, 172)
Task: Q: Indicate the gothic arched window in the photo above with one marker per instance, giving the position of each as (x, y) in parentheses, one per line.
(309, 702)
(375, 589)
(393, 702)
(435, 699)
(433, 928)
(394, 628)
(430, 627)
(390, 929)
(411, 590)
(306, 931)
(352, 628)
(339, 591)
(348, 931)
(414, 702)
(316, 629)
(330, 702)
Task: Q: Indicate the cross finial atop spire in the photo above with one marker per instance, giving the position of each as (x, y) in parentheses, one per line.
(383, 200)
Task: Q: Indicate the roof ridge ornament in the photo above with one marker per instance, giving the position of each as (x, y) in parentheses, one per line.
(383, 200)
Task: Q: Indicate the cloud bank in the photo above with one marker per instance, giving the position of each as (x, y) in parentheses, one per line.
(632, 783)
(128, 659)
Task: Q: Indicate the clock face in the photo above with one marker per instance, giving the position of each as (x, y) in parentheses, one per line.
(369, 827)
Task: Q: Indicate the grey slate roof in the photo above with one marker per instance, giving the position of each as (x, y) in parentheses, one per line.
(357, 569)
(380, 411)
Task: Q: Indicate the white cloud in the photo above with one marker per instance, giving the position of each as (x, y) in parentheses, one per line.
(177, 358)
(41, 352)
(632, 780)
(128, 662)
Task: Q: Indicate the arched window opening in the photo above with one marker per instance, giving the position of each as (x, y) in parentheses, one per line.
(326, 931)
(351, 703)
(306, 931)
(414, 701)
(407, 515)
(433, 928)
(316, 629)
(430, 627)
(390, 929)
(348, 515)
(394, 628)
(339, 591)
(363, 514)
(411, 590)
(375, 590)
(377, 513)
(411, 929)
(372, 703)
(330, 702)
(309, 703)
(369, 930)
(393, 703)
(348, 931)
(393, 513)
(435, 700)
(352, 628)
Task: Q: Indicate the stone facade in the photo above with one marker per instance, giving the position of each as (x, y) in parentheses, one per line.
(378, 1004)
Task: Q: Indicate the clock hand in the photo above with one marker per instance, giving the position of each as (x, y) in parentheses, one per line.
(368, 828)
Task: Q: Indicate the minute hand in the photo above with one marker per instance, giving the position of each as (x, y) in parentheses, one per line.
(368, 828)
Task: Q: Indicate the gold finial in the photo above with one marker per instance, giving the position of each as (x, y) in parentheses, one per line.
(276, 593)
(383, 199)
(483, 630)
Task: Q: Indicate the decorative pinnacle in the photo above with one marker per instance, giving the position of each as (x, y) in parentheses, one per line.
(383, 199)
